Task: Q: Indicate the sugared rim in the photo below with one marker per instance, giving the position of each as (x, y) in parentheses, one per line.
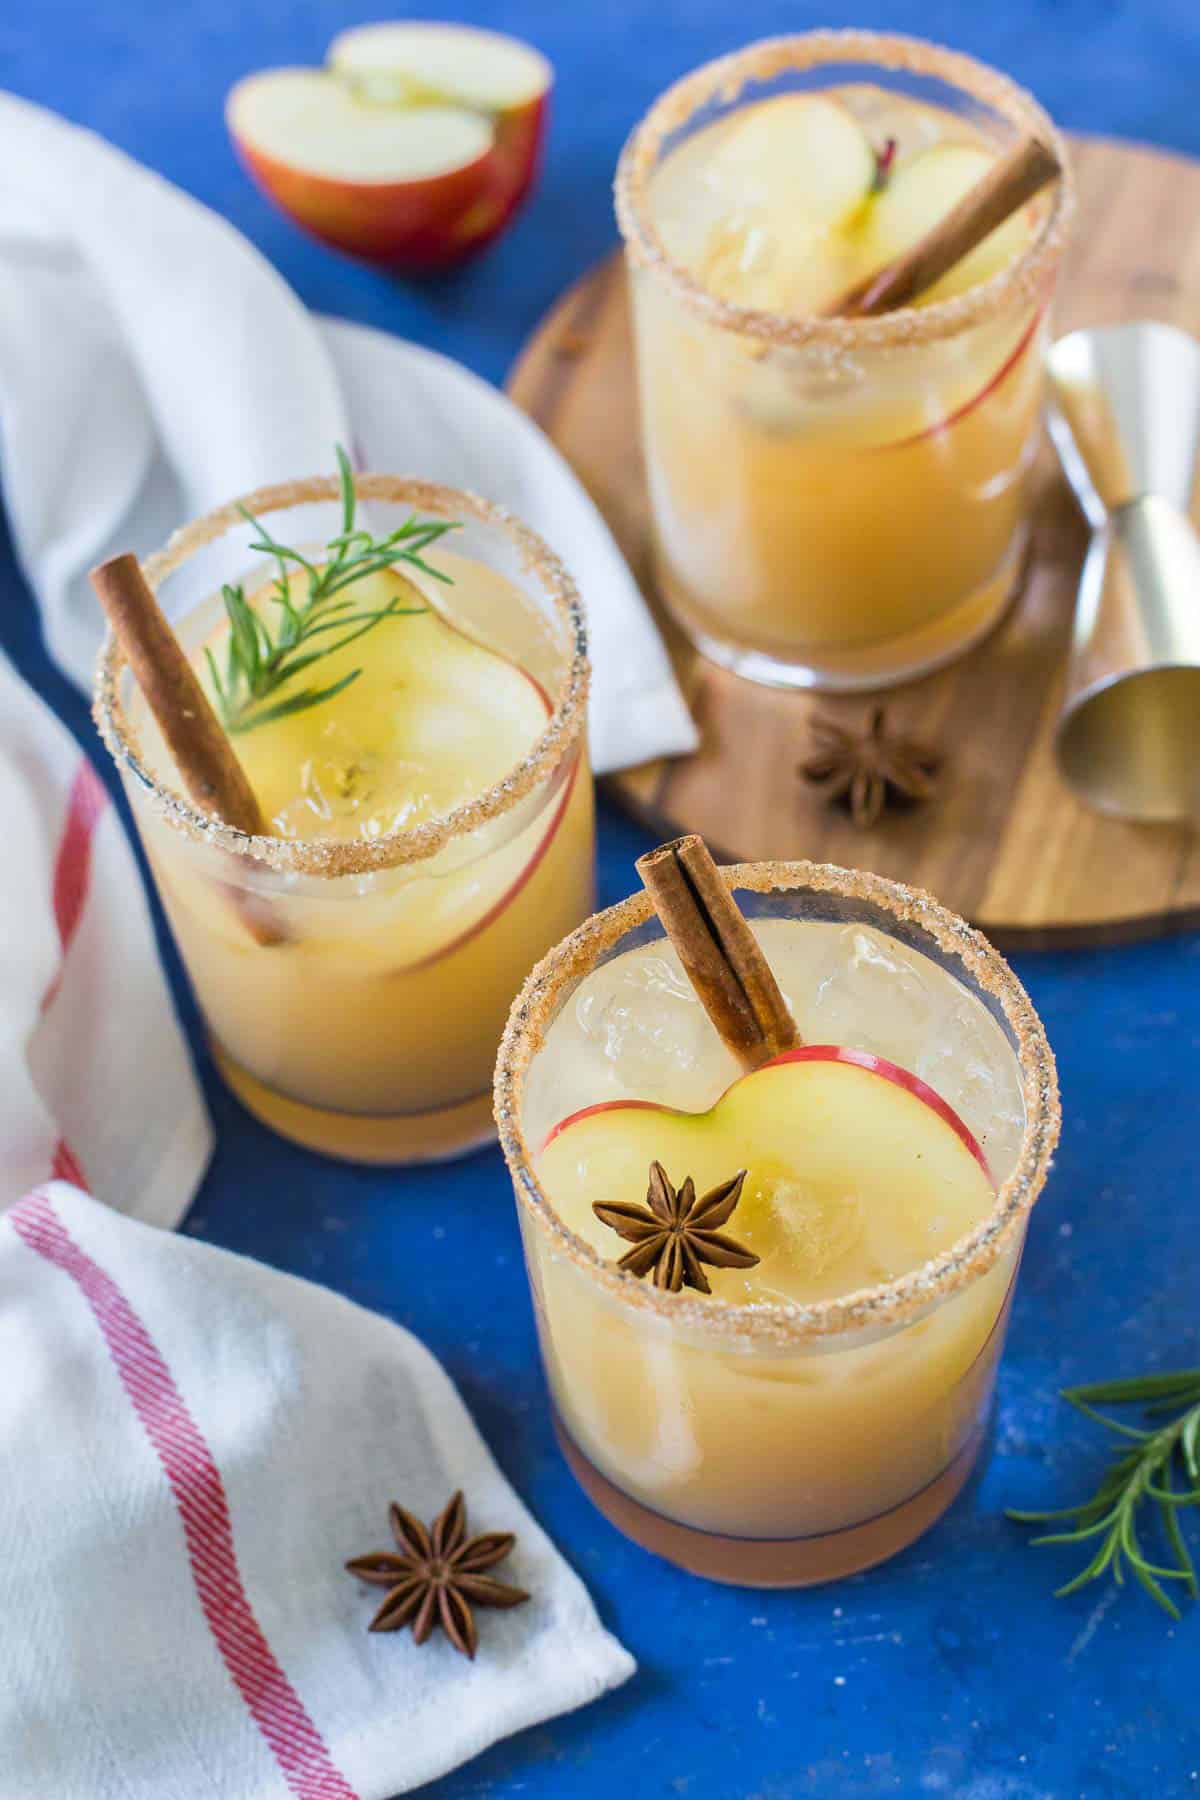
(314, 856)
(1024, 281)
(780, 1325)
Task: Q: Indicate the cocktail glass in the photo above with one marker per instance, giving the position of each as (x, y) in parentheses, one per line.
(776, 1444)
(355, 988)
(837, 502)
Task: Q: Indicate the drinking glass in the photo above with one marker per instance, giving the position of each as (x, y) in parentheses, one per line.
(355, 989)
(839, 503)
(766, 1444)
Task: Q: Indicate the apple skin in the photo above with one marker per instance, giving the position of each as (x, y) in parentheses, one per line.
(544, 842)
(510, 893)
(862, 1059)
(968, 406)
(412, 227)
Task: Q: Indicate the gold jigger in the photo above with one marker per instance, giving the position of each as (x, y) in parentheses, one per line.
(1125, 417)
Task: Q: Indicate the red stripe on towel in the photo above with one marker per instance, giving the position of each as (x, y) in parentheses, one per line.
(67, 1167)
(199, 1492)
(68, 895)
(73, 863)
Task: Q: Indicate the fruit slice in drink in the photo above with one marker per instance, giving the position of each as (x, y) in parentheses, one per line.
(430, 841)
(790, 549)
(857, 1171)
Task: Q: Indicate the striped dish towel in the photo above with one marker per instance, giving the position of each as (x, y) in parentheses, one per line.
(198, 1443)
(95, 1080)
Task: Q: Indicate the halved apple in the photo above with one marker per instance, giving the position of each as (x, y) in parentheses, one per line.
(918, 194)
(412, 149)
(857, 1171)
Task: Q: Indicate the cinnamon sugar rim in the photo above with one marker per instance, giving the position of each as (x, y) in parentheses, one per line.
(330, 858)
(1024, 281)
(782, 1325)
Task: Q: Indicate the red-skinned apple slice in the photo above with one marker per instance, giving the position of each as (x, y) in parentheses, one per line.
(920, 192)
(412, 150)
(918, 195)
(510, 893)
(968, 406)
(527, 870)
(857, 1169)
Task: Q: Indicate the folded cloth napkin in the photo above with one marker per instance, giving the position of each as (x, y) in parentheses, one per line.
(203, 1442)
(152, 364)
(95, 1081)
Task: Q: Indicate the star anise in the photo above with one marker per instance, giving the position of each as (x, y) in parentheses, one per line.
(435, 1576)
(674, 1233)
(868, 768)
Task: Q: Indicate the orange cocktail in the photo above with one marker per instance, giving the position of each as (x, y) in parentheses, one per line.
(817, 1399)
(837, 502)
(429, 817)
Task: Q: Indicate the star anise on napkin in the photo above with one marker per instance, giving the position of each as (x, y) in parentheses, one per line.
(869, 768)
(674, 1233)
(436, 1576)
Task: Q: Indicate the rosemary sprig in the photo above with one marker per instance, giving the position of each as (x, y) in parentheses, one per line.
(1145, 1471)
(259, 660)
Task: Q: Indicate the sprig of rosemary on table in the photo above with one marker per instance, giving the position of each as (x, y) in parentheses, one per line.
(1145, 1471)
(259, 659)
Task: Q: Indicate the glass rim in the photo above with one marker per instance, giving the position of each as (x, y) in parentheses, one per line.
(352, 856)
(786, 1325)
(1024, 280)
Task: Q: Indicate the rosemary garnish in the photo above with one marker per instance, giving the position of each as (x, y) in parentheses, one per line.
(259, 661)
(1156, 1457)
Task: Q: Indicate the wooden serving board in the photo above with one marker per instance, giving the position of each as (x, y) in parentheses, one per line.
(1004, 842)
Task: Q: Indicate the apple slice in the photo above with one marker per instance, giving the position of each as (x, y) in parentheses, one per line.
(803, 158)
(432, 719)
(412, 150)
(919, 193)
(790, 176)
(857, 1170)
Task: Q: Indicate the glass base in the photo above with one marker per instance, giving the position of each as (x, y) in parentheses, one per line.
(355, 1137)
(861, 670)
(775, 1562)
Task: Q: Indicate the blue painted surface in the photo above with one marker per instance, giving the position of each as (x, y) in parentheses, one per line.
(951, 1671)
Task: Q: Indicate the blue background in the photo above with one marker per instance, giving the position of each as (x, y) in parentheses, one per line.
(951, 1670)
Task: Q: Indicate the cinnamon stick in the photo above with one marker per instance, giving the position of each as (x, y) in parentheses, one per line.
(1011, 181)
(719, 952)
(203, 754)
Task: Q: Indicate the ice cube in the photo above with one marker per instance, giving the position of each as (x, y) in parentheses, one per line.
(967, 1061)
(815, 1230)
(871, 996)
(645, 1020)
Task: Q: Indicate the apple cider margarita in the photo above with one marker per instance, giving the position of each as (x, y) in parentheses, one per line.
(838, 501)
(772, 1292)
(407, 703)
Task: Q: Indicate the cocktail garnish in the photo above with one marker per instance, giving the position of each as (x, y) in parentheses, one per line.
(675, 1233)
(1146, 1469)
(868, 768)
(205, 758)
(203, 754)
(720, 954)
(259, 660)
(1010, 182)
(436, 1576)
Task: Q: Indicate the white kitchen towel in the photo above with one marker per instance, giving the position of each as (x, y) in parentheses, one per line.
(153, 364)
(95, 1080)
(199, 1445)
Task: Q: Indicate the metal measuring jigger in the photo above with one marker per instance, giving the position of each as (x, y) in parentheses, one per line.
(1125, 418)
